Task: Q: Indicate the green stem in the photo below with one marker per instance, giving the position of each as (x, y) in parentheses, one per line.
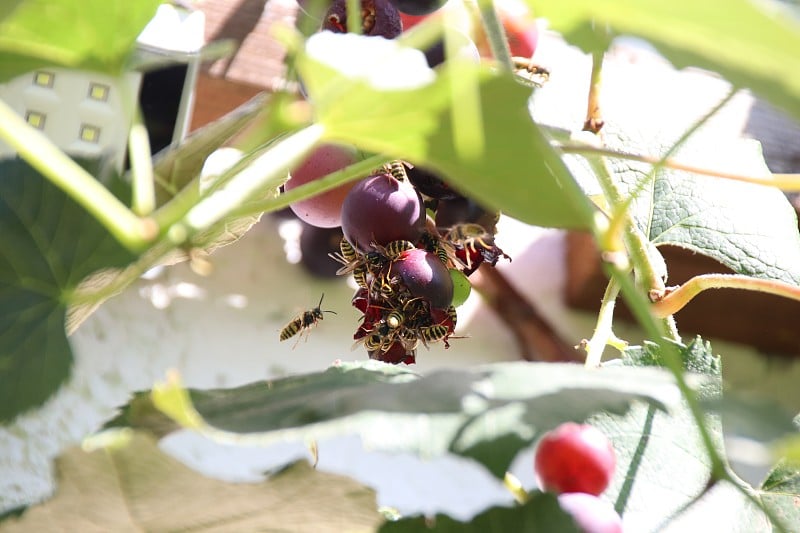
(34, 147)
(331, 181)
(602, 332)
(785, 182)
(634, 241)
(658, 332)
(270, 167)
(354, 24)
(496, 34)
(594, 117)
(676, 299)
(142, 180)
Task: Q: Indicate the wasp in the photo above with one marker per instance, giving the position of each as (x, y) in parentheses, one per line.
(470, 236)
(397, 169)
(304, 321)
(433, 333)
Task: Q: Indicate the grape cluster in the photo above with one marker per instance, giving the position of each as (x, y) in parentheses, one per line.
(404, 263)
(409, 239)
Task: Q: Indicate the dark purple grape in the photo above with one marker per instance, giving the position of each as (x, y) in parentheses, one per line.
(418, 7)
(592, 514)
(323, 210)
(424, 274)
(378, 17)
(464, 210)
(381, 209)
(435, 55)
(315, 245)
(430, 183)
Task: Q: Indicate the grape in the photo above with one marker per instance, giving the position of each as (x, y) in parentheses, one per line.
(409, 21)
(575, 458)
(461, 210)
(424, 274)
(429, 183)
(315, 245)
(592, 514)
(418, 7)
(381, 209)
(465, 49)
(378, 17)
(323, 210)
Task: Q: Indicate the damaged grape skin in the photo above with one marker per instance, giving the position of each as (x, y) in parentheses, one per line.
(378, 18)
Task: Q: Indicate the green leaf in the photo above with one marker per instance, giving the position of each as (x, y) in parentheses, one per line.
(541, 513)
(490, 149)
(88, 34)
(751, 229)
(499, 407)
(48, 245)
(751, 44)
(780, 492)
(136, 487)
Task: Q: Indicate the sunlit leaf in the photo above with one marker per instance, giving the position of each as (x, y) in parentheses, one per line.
(90, 35)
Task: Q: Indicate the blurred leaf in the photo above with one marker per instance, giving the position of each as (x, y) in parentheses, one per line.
(753, 418)
(136, 487)
(48, 245)
(751, 44)
(541, 513)
(512, 166)
(464, 412)
(93, 35)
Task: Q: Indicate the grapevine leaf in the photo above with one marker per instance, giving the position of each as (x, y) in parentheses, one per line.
(136, 487)
(462, 412)
(90, 35)
(751, 44)
(540, 513)
(508, 162)
(780, 492)
(48, 244)
(751, 229)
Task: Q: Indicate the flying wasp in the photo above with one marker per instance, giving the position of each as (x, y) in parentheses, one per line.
(304, 321)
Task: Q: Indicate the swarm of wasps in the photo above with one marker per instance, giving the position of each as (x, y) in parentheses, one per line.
(395, 321)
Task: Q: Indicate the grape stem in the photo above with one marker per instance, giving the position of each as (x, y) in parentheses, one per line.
(594, 117)
(536, 338)
(676, 298)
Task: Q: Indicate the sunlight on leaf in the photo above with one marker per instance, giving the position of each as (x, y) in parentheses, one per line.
(88, 34)
(748, 43)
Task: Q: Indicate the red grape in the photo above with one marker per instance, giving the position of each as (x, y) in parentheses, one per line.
(323, 210)
(575, 458)
(381, 209)
(592, 514)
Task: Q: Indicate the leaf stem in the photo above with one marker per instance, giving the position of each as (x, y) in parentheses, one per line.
(496, 35)
(268, 168)
(142, 180)
(603, 329)
(353, 10)
(594, 117)
(676, 299)
(34, 147)
(331, 181)
(785, 182)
